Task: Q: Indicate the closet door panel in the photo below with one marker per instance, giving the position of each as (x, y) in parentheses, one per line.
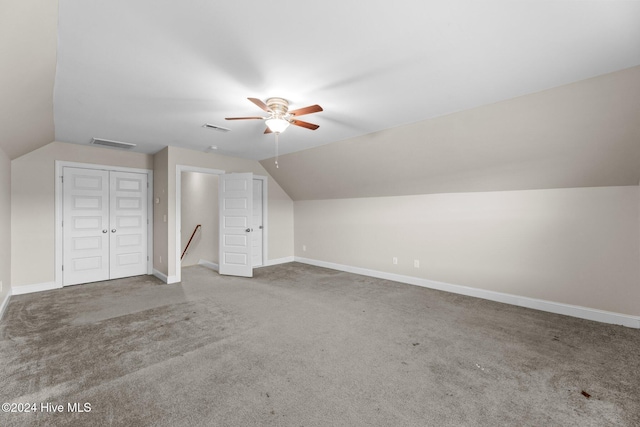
(128, 224)
(85, 225)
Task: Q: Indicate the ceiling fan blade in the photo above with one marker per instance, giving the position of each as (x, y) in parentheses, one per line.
(306, 110)
(244, 118)
(260, 104)
(267, 130)
(304, 124)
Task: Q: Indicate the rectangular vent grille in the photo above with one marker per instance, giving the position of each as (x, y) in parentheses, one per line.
(113, 144)
(215, 127)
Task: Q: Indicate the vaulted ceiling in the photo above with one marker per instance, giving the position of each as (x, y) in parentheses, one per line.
(584, 134)
(153, 72)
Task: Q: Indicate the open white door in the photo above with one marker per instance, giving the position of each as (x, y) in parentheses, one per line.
(235, 193)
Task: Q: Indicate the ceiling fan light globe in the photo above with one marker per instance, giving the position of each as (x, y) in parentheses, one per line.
(277, 125)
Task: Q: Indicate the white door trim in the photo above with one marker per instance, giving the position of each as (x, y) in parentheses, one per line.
(265, 222)
(59, 165)
(178, 225)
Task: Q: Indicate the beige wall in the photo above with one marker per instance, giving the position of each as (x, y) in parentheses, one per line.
(33, 204)
(5, 224)
(199, 206)
(573, 246)
(280, 206)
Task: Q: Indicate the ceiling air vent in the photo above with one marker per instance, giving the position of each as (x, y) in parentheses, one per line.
(113, 144)
(215, 127)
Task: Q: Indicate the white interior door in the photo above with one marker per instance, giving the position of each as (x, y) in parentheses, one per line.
(235, 193)
(85, 225)
(258, 225)
(104, 232)
(128, 224)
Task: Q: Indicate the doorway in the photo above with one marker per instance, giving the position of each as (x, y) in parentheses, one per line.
(199, 219)
(191, 184)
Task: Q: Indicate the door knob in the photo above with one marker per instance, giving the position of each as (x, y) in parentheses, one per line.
(248, 230)
(113, 231)
(105, 230)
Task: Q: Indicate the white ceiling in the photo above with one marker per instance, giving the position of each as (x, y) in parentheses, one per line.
(153, 72)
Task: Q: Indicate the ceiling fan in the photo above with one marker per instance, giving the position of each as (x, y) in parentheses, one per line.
(279, 115)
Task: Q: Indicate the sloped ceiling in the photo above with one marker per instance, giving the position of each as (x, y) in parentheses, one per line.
(28, 39)
(586, 134)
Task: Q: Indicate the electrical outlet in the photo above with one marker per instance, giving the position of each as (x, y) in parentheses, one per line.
(304, 248)
(395, 261)
(416, 263)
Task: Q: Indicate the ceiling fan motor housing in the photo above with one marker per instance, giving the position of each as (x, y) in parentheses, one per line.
(278, 106)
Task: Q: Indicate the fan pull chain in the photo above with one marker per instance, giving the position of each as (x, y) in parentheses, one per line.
(277, 166)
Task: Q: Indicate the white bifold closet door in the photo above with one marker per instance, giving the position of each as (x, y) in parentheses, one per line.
(104, 225)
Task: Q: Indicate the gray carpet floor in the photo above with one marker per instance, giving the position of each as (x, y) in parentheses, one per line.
(305, 346)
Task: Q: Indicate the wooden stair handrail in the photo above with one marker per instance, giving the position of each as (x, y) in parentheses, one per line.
(190, 239)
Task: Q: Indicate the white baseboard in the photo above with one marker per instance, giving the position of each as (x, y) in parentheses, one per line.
(5, 303)
(160, 275)
(36, 287)
(537, 304)
(166, 279)
(277, 261)
(212, 265)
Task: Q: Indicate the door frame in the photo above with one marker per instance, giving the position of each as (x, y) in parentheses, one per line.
(59, 165)
(265, 219)
(178, 223)
(178, 249)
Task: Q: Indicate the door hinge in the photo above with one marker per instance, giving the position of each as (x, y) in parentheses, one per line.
(147, 257)
(63, 223)
(147, 184)
(62, 178)
(63, 268)
(147, 221)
